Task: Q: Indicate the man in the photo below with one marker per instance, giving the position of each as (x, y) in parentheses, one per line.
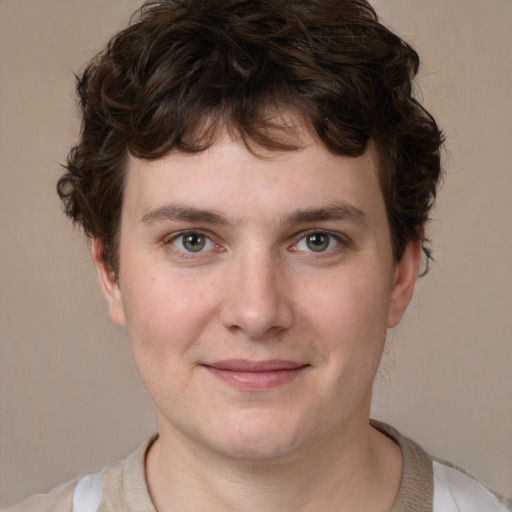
(256, 179)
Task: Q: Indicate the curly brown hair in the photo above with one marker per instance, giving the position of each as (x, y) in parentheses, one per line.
(184, 70)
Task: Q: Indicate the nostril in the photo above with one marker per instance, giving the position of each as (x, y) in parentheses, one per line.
(257, 321)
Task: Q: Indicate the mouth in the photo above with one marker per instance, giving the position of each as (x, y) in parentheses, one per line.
(256, 375)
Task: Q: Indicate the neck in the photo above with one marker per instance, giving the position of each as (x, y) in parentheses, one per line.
(359, 469)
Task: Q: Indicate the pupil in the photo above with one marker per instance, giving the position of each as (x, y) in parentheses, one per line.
(193, 242)
(318, 242)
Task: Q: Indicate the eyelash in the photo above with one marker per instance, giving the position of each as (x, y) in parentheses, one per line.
(170, 240)
(337, 239)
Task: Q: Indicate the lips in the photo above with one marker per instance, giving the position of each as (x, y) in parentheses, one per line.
(256, 375)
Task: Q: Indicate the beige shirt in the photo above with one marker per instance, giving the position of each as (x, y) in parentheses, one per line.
(124, 484)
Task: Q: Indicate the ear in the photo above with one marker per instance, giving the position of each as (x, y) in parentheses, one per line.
(109, 284)
(406, 272)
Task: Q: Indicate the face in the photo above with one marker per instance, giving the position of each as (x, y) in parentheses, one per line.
(257, 292)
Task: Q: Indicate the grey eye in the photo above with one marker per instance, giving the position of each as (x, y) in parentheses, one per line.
(194, 242)
(318, 242)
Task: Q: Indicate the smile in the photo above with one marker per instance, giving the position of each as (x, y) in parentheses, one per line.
(256, 375)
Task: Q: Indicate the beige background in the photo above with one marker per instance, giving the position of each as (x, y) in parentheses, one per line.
(70, 401)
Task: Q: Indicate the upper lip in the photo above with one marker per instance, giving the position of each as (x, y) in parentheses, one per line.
(245, 365)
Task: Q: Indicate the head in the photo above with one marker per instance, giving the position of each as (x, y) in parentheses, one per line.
(256, 178)
(187, 71)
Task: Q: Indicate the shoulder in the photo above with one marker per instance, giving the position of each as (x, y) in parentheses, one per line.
(455, 490)
(59, 499)
(114, 487)
(433, 485)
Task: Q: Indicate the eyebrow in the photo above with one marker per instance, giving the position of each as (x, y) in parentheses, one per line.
(183, 213)
(333, 212)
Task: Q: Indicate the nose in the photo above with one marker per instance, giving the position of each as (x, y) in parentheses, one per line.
(257, 299)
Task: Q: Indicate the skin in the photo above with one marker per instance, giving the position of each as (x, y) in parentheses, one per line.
(252, 286)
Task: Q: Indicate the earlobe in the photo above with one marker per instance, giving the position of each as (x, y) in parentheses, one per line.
(406, 272)
(109, 284)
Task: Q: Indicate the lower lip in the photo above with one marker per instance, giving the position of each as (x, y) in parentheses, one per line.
(257, 380)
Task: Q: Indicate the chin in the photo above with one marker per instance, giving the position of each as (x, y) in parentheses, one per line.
(250, 448)
(258, 436)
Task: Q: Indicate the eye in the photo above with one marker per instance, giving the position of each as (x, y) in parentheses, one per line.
(317, 241)
(192, 242)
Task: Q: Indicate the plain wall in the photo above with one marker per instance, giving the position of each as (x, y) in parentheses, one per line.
(70, 399)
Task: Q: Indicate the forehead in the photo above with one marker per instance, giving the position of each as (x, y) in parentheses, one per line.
(229, 178)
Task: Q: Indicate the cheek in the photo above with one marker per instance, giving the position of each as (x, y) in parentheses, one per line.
(165, 317)
(349, 318)
(356, 302)
(165, 320)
